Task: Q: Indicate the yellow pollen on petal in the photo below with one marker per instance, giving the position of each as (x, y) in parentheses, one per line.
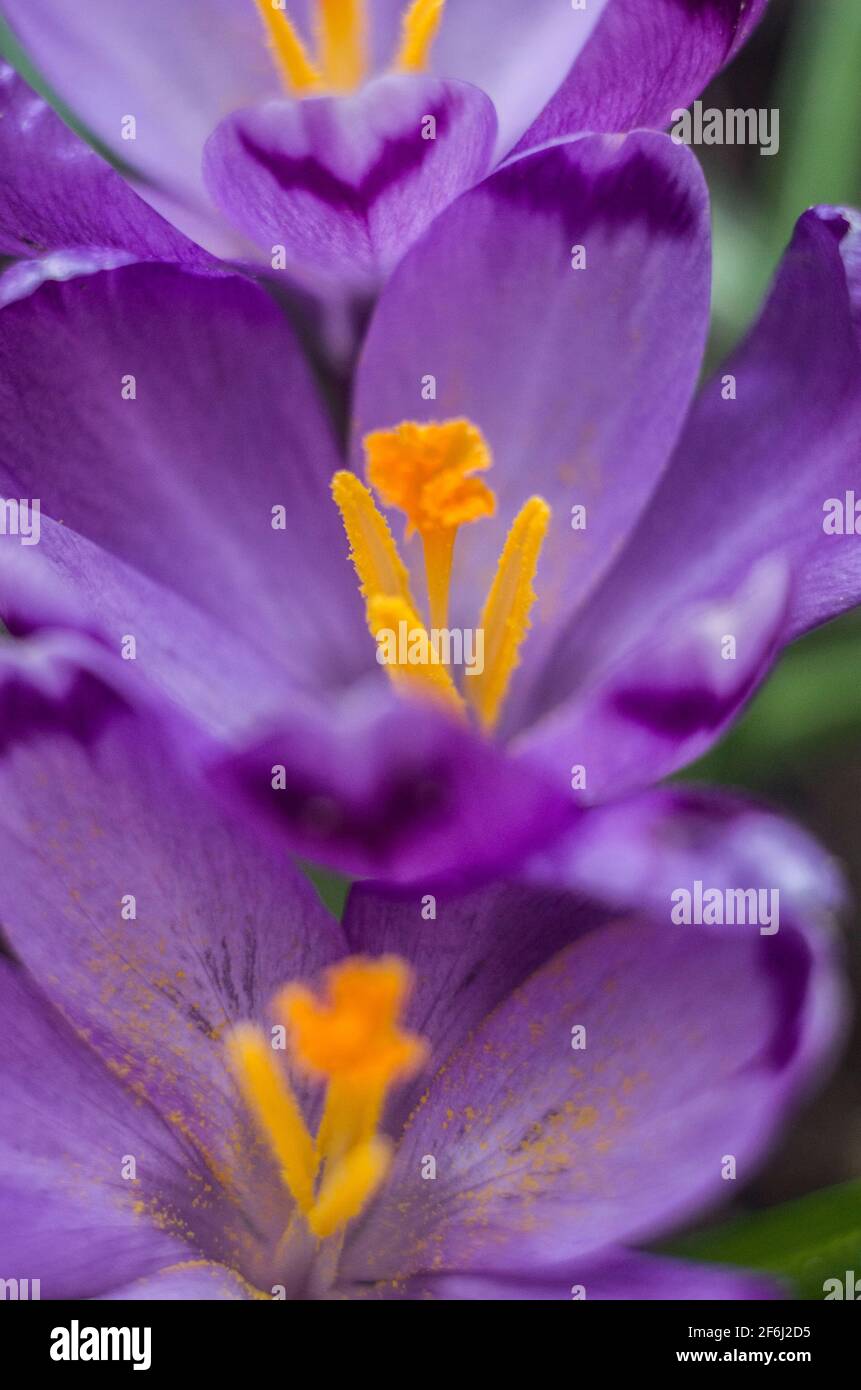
(267, 1093)
(419, 29)
(505, 618)
(342, 28)
(298, 73)
(427, 472)
(350, 1185)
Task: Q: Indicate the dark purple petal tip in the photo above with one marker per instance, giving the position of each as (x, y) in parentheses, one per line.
(55, 682)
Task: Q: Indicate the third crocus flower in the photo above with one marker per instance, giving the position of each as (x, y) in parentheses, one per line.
(528, 455)
(213, 1090)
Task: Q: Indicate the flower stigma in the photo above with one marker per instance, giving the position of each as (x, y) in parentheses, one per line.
(350, 1040)
(428, 472)
(340, 63)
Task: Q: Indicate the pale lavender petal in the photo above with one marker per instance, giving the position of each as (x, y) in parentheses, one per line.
(346, 184)
(751, 474)
(191, 657)
(518, 53)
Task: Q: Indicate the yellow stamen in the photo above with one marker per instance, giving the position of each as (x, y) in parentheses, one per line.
(372, 548)
(351, 1115)
(438, 547)
(343, 33)
(425, 677)
(299, 74)
(426, 471)
(349, 1187)
(267, 1094)
(353, 1040)
(505, 618)
(419, 29)
(385, 585)
(353, 1033)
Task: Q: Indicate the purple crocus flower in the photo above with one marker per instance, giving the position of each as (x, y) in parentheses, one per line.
(210, 1089)
(322, 136)
(163, 414)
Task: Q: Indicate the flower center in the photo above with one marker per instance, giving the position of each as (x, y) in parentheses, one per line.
(428, 473)
(341, 61)
(350, 1040)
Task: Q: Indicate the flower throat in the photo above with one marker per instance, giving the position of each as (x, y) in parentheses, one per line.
(428, 471)
(341, 30)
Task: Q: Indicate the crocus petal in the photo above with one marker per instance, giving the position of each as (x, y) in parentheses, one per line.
(586, 407)
(627, 1275)
(198, 1281)
(346, 184)
(188, 417)
(643, 62)
(635, 852)
(518, 54)
(59, 683)
(774, 456)
(68, 1216)
(149, 918)
(468, 952)
(392, 788)
(176, 69)
(57, 194)
(669, 698)
(745, 493)
(544, 1153)
(218, 674)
